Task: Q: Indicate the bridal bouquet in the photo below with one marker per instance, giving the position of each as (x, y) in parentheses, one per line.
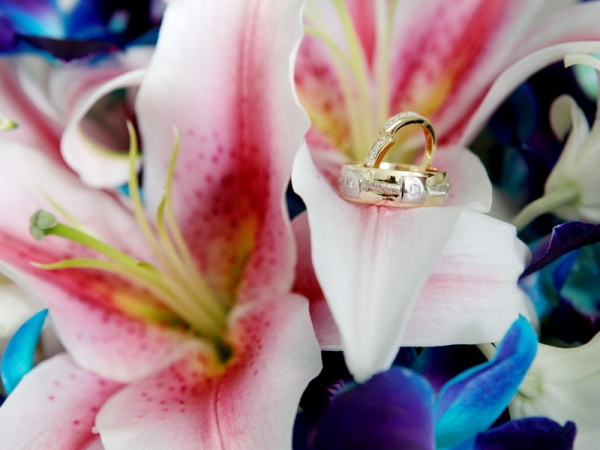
(219, 228)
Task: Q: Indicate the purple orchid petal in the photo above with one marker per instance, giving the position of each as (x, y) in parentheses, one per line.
(472, 401)
(392, 410)
(565, 238)
(524, 434)
(17, 360)
(302, 427)
(440, 364)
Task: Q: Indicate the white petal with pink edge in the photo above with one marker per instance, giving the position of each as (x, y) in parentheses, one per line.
(34, 127)
(371, 262)
(471, 296)
(250, 406)
(54, 407)
(513, 77)
(228, 90)
(97, 166)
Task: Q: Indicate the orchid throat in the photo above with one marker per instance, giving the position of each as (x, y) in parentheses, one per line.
(176, 283)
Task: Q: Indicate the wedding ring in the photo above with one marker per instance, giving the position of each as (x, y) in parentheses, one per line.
(379, 183)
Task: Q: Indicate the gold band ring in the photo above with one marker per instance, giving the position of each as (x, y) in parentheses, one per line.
(391, 127)
(379, 183)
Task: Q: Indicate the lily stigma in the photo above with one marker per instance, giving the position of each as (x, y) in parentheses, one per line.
(177, 293)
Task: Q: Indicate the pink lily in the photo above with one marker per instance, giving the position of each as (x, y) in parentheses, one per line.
(189, 336)
(49, 103)
(396, 277)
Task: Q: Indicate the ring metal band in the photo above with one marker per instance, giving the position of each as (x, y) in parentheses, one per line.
(379, 183)
(391, 127)
(392, 185)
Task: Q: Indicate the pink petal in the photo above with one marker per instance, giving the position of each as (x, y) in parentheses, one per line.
(371, 262)
(34, 128)
(363, 16)
(97, 166)
(54, 408)
(251, 405)
(227, 89)
(446, 55)
(96, 314)
(319, 90)
(513, 77)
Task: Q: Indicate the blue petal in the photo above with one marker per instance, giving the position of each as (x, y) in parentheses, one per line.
(471, 402)
(527, 434)
(34, 17)
(18, 356)
(565, 238)
(392, 410)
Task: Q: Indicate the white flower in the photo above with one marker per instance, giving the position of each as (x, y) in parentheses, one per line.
(562, 384)
(572, 190)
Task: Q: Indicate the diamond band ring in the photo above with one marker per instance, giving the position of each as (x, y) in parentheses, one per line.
(379, 183)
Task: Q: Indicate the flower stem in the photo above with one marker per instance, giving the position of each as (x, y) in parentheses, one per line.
(545, 204)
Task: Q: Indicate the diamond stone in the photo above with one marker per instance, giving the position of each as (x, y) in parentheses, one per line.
(414, 190)
(376, 148)
(351, 183)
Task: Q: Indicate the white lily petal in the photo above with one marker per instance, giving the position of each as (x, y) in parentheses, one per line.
(562, 384)
(371, 262)
(97, 167)
(566, 115)
(472, 294)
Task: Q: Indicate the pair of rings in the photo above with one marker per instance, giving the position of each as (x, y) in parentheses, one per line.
(402, 185)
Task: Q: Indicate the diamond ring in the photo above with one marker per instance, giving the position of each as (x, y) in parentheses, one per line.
(379, 183)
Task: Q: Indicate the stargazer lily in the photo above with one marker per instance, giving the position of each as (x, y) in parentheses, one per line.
(177, 315)
(414, 277)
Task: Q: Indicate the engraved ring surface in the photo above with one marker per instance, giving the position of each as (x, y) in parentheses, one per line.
(391, 127)
(402, 185)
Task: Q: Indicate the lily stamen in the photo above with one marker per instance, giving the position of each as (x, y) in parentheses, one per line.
(177, 284)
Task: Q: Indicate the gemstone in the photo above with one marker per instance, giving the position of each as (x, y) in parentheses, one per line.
(376, 148)
(350, 183)
(414, 190)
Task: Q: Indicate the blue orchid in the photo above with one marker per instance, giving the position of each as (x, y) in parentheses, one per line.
(561, 281)
(402, 408)
(77, 29)
(18, 357)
